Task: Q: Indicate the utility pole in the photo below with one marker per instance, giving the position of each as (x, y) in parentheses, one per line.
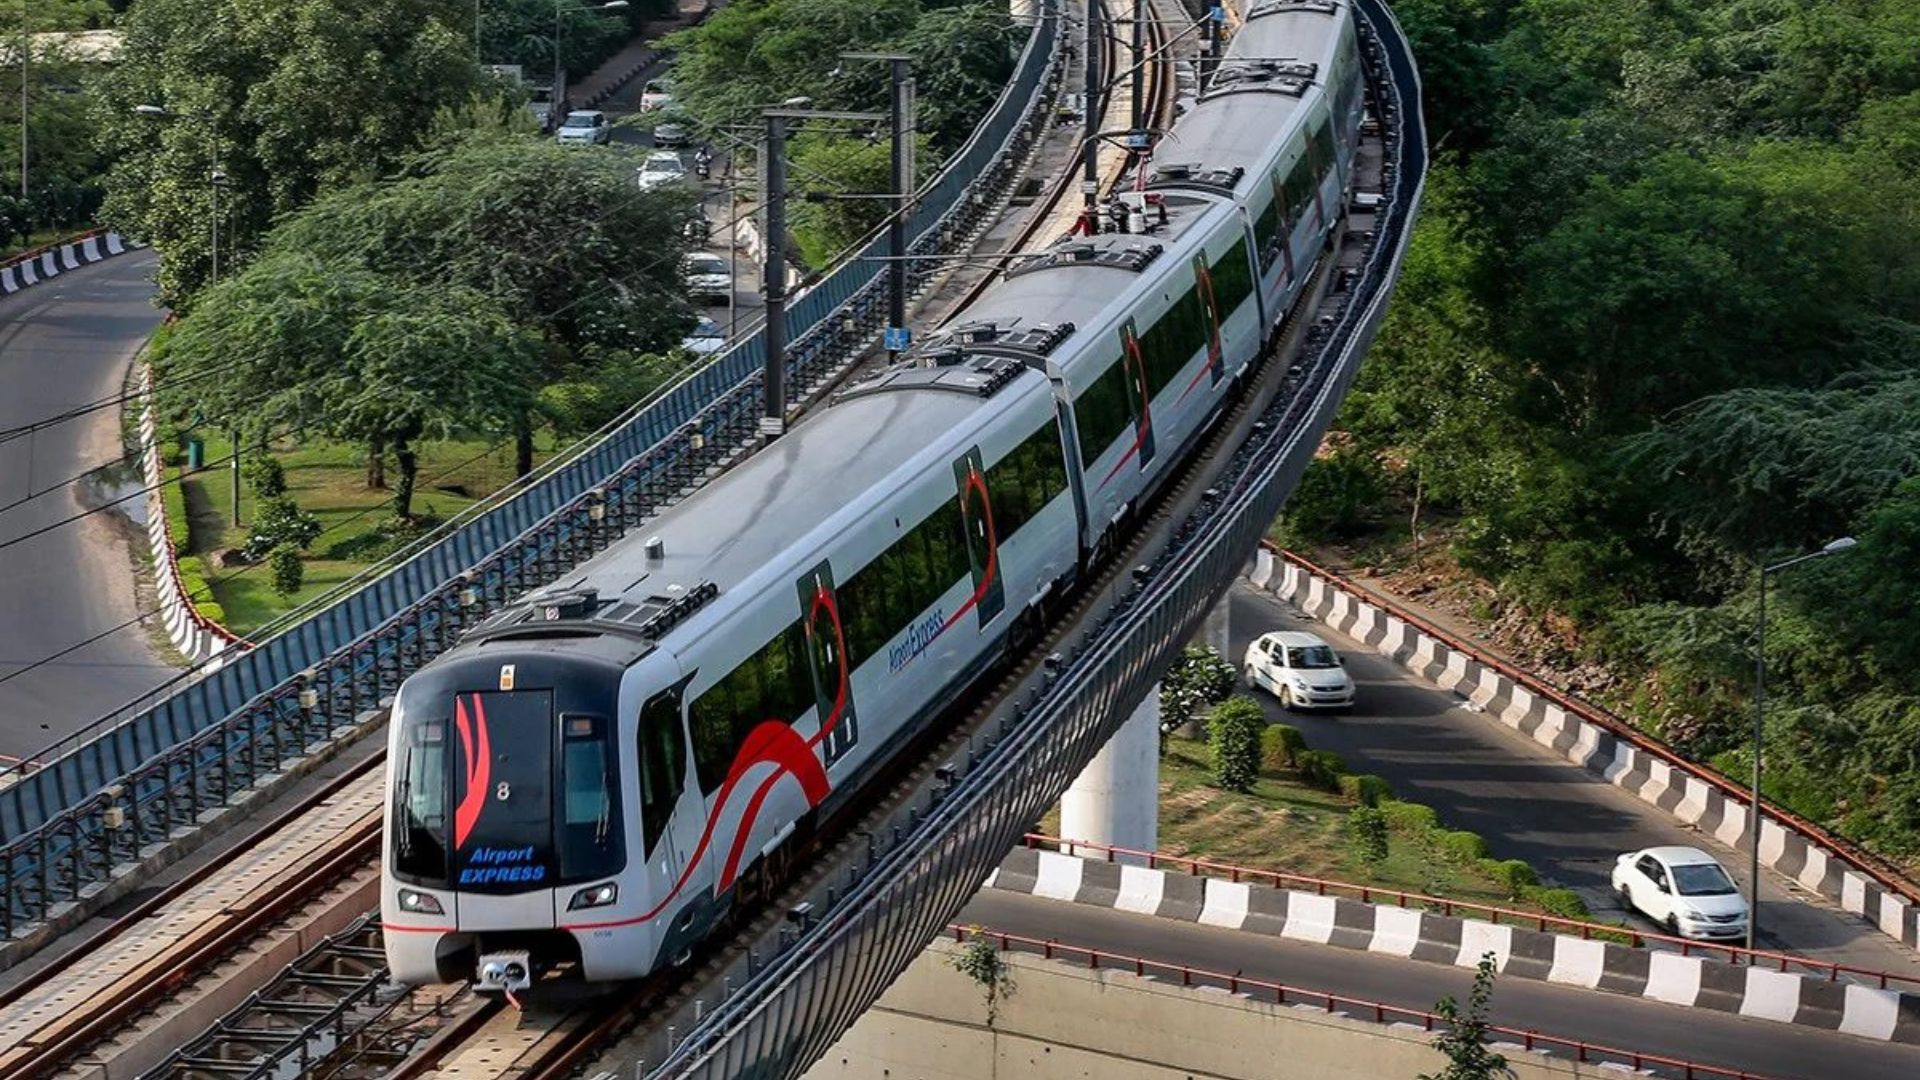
(1139, 66)
(774, 420)
(1210, 41)
(1090, 138)
(26, 56)
(902, 90)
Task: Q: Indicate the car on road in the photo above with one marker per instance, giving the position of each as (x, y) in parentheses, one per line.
(661, 170)
(1300, 669)
(708, 276)
(655, 95)
(707, 338)
(584, 127)
(1683, 889)
(670, 133)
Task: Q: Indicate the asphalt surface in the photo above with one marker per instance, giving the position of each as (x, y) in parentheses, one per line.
(1627, 1023)
(63, 344)
(1528, 803)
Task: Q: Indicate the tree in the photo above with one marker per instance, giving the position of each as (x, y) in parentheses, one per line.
(287, 569)
(962, 58)
(978, 960)
(288, 98)
(835, 175)
(1197, 679)
(521, 32)
(1464, 1042)
(63, 161)
(753, 52)
(1233, 732)
(296, 341)
(558, 242)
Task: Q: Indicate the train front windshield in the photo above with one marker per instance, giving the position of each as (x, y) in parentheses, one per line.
(497, 794)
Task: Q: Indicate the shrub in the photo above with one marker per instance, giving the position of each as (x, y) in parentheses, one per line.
(193, 584)
(1463, 846)
(1233, 732)
(1513, 876)
(287, 571)
(1367, 832)
(1410, 817)
(279, 521)
(265, 475)
(1280, 747)
(1199, 678)
(1365, 789)
(1562, 902)
(1321, 769)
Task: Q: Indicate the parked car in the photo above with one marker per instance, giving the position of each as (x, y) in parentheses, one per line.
(660, 170)
(585, 127)
(1683, 889)
(670, 133)
(1300, 669)
(708, 276)
(655, 95)
(707, 338)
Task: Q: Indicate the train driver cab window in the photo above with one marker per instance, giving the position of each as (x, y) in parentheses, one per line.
(663, 767)
(420, 801)
(589, 832)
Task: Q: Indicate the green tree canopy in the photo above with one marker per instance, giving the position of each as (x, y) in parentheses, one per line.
(287, 97)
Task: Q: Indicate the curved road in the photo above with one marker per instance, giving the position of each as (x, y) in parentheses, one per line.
(1703, 1036)
(1528, 802)
(63, 344)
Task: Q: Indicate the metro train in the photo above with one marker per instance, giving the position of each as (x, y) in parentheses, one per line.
(594, 775)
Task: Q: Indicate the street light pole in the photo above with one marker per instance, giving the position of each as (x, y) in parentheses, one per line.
(1759, 725)
(26, 56)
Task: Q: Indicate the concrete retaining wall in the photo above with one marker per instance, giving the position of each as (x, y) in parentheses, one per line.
(1693, 981)
(197, 637)
(36, 267)
(1063, 1022)
(1685, 794)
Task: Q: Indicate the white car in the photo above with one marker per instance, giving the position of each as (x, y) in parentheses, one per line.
(585, 127)
(655, 96)
(707, 338)
(661, 170)
(1300, 669)
(708, 276)
(1683, 889)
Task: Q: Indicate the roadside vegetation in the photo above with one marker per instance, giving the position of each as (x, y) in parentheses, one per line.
(1661, 325)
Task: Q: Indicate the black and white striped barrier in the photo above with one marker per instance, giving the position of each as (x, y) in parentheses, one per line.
(34, 267)
(197, 637)
(1686, 794)
(1691, 981)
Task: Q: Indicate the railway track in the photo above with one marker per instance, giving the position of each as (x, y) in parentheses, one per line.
(151, 979)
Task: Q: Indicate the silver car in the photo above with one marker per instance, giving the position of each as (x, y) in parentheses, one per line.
(661, 170)
(585, 127)
(708, 276)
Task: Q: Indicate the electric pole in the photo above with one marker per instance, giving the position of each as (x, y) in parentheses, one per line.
(1090, 138)
(774, 420)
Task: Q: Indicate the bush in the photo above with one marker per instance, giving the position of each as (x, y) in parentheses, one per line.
(1280, 747)
(287, 571)
(265, 475)
(193, 583)
(1367, 832)
(279, 521)
(1462, 846)
(1234, 734)
(1321, 769)
(1365, 789)
(1562, 902)
(1198, 679)
(1410, 817)
(1513, 876)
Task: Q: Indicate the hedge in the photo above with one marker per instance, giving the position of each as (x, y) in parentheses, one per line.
(1322, 769)
(1513, 875)
(193, 582)
(1410, 817)
(1562, 902)
(1280, 747)
(1365, 789)
(1465, 846)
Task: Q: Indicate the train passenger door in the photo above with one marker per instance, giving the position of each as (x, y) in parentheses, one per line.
(1139, 393)
(665, 836)
(983, 543)
(827, 661)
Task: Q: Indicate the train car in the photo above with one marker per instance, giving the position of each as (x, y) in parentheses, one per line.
(594, 775)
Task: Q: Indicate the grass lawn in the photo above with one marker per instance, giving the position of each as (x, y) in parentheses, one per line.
(1284, 825)
(328, 480)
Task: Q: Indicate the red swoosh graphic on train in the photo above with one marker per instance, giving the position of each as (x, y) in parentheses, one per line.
(1145, 426)
(774, 742)
(476, 756)
(1213, 322)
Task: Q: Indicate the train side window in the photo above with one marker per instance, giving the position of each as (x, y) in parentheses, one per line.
(1026, 480)
(1101, 412)
(1266, 231)
(1232, 280)
(663, 766)
(1322, 145)
(1299, 186)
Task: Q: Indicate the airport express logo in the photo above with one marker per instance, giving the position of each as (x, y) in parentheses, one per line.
(918, 638)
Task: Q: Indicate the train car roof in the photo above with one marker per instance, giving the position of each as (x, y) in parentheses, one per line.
(732, 528)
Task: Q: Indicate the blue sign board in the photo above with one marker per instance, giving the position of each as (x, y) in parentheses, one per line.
(898, 338)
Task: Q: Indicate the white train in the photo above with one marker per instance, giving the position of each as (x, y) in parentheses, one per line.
(595, 774)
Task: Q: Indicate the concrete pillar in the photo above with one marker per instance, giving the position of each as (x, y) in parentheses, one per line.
(1116, 801)
(1025, 12)
(1217, 627)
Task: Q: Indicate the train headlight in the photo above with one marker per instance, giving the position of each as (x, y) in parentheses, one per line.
(594, 896)
(419, 903)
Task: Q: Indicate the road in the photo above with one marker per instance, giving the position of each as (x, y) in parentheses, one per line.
(1528, 803)
(63, 344)
(1699, 1035)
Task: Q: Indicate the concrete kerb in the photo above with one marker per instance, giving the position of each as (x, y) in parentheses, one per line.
(35, 267)
(1688, 981)
(1685, 795)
